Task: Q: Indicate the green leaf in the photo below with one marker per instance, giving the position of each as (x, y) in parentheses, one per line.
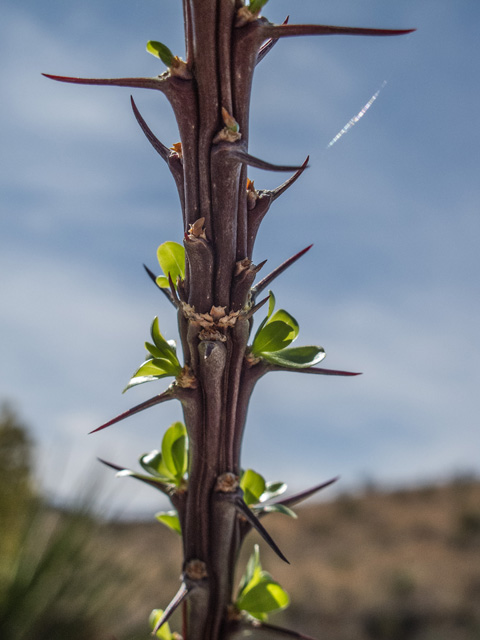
(166, 348)
(274, 336)
(151, 462)
(283, 316)
(259, 594)
(297, 357)
(171, 257)
(174, 451)
(271, 304)
(164, 632)
(153, 369)
(252, 565)
(163, 282)
(253, 485)
(263, 598)
(159, 50)
(272, 490)
(276, 332)
(170, 519)
(276, 508)
(124, 473)
(163, 363)
(256, 5)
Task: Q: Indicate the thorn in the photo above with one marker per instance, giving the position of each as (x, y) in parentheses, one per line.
(287, 30)
(246, 158)
(268, 45)
(276, 193)
(260, 265)
(153, 278)
(162, 397)
(276, 272)
(178, 598)
(139, 83)
(304, 495)
(154, 141)
(257, 307)
(258, 526)
(173, 291)
(317, 370)
(153, 483)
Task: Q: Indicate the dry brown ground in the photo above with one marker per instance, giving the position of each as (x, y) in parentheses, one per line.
(381, 566)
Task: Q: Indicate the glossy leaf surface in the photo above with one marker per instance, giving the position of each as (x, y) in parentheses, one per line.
(259, 594)
(253, 485)
(276, 332)
(170, 464)
(297, 357)
(170, 520)
(174, 451)
(272, 490)
(164, 361)
(276, 508)
(171, 258)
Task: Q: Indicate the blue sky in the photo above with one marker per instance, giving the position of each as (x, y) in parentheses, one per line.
(391, 287)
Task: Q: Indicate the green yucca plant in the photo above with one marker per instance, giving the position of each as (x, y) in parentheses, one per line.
(209, 281)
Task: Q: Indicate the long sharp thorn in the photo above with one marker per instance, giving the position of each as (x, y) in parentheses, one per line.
(276, 193)
(304, 495)
(268, 45)
(153, 278)
(315, 370)
(258, 288)
(139, 83)
(257, 307)
(154, 141)
(258, 526)
(173, 291)
(178, 598)
(162, 397)
(287, 30)
(152, 483)
(246, 158)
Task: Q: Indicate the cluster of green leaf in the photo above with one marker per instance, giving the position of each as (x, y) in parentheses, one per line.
(163, 361)
(171, 258)
(167, 466)
(256, 491)
(274, 335)
(258, 593)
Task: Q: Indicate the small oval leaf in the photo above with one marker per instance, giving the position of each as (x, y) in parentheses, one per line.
(171, 257)
(274, 336)
(159, 50)
(174, 451)
(264, 597)
(253, 485)
(296, 357)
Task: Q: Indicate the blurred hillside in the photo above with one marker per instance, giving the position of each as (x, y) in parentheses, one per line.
(378, 566)
(381, 566)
